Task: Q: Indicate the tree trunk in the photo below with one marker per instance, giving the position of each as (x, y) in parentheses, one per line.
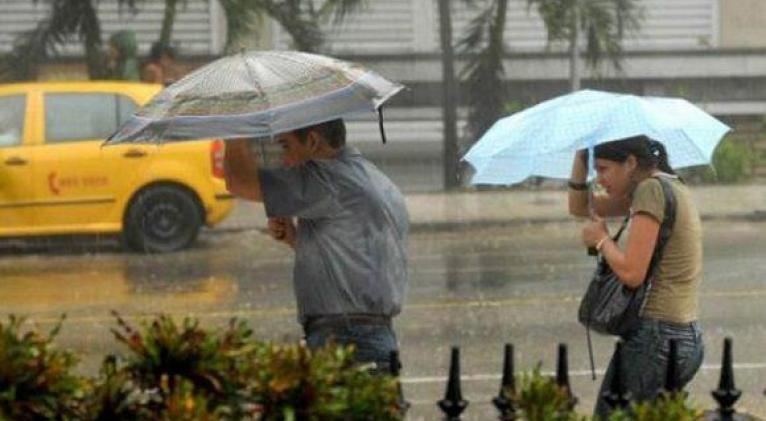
(168, 19)
(574, 49)
(94, 56)
(499, 29)
(449, 93)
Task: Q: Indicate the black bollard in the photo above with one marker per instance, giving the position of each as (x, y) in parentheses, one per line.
(617, 397)
(727, 394)
(504, 399)
(562, 375)
(453, 404)
(672, 380)
(396, 367)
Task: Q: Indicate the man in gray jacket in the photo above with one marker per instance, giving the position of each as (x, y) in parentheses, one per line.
(350, 239)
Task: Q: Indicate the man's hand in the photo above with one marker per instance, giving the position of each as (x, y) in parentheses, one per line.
(282, 229)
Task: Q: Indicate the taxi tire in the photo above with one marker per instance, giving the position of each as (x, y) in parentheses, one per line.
(144, 233)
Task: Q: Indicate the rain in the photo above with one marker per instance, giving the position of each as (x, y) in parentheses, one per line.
(487, 264)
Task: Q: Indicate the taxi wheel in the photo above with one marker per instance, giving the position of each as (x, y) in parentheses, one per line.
(162, 219)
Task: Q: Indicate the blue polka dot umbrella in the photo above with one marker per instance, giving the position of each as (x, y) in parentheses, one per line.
(541, 140)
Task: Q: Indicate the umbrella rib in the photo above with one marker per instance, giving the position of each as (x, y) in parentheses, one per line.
(255, 80)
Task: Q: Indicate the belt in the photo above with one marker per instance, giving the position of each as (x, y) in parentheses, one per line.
(345, 320)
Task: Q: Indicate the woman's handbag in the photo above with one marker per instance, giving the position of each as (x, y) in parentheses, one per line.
(609, 307)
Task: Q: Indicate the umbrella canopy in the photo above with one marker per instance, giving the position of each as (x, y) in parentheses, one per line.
(541, 140)
(257, 94)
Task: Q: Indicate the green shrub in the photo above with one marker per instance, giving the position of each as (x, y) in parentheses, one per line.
(186, 372)
(666, 407)
(35, 378)
(731, 162)
(167, 360)
(292, 382)
(540, 398)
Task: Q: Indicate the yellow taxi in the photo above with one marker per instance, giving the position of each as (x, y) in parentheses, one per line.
(57, 178)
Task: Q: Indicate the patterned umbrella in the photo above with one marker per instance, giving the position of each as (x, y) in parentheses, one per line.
(541, 140)
(256, 94)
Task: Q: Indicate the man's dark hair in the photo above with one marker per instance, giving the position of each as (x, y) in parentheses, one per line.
(333, 132)
(158, 50)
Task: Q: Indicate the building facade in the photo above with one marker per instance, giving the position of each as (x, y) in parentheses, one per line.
(710, 51)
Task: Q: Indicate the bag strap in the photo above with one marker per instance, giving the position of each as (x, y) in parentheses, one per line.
(616, 237)
(666, 228)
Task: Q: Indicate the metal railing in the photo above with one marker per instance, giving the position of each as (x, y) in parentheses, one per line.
(453, 404)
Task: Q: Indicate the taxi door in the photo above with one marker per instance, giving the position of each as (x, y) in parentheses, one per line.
(16, 188)
(79, 182)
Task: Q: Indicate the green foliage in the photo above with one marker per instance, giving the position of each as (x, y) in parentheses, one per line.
(603, 22)
(512, 107)
(539, 398)
(484, 73)
(35, 378)
(291, 382)
(118, 397)
(166, 357)
(187, 372)
(301, 19)
(731, 162)
(66, 19)
(666, 407)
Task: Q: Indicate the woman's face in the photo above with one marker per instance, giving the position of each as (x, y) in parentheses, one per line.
(616, 177)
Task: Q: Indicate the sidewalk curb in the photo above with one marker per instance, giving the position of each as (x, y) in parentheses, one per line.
(470, 224)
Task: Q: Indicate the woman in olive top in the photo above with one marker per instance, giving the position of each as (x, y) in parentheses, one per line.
(628, 170)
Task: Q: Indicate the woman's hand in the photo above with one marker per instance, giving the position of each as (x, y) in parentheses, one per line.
(594, 231)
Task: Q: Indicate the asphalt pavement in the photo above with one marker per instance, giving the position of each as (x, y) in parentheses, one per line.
(486, 268)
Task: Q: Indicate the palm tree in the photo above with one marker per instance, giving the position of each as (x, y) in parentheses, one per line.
(168, 19)
(66, 18)
(449, 96)
(604, 23)
(302, 19)
(483, 42)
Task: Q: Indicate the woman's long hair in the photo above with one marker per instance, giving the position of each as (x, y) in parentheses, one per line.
(650, 154)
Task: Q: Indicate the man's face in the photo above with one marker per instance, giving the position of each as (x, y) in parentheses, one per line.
(294, 152)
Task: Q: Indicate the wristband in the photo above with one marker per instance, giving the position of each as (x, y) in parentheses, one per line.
(601, 243)
(578, 186)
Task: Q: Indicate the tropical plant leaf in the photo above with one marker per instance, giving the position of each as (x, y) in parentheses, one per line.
(484, 73)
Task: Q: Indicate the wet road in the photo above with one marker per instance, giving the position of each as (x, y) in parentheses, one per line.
(476, 288)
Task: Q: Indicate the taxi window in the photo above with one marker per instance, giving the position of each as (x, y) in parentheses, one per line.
(12, 119)
(125, 109)
(71, 117)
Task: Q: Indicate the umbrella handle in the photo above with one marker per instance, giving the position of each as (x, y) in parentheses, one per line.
(591, 161)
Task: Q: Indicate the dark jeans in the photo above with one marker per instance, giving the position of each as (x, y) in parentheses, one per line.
(645, 359)
(373, 343)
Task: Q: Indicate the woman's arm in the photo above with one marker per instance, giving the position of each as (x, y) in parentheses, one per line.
(631, 265)
(579, 192)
